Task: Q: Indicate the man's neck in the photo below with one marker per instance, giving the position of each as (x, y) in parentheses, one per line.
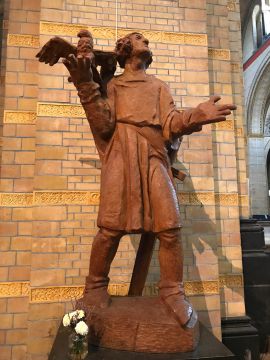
(135, 65)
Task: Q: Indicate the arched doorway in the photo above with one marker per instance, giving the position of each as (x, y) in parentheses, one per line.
(258, 117)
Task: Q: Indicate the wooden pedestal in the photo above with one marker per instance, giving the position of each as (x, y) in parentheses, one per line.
(209, 348)
(141, 324)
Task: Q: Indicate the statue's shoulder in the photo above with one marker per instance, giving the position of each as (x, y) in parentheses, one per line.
(149, 78)
(113, 82)
(114, 79)
(156, 80)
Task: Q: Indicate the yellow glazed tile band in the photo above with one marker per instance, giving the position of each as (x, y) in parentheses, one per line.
(19, 117)
(43, 198)
(60, 110)
(231, 5)
(104, 32)
(67, 293)
(23, 40)
(76, 111)
(219, 54)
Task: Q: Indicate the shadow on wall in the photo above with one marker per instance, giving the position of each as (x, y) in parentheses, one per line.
(204, 240)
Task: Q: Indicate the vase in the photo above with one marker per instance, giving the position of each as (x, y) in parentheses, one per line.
(77, 347)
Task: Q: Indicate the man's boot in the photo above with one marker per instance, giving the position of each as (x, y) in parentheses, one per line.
(173, 296)
(102, 254)
(171, 289)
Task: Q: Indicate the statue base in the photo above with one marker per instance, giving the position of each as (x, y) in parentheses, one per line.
(209, 348)
(140, 324)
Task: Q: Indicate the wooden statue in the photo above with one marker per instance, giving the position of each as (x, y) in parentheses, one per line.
(136, 128)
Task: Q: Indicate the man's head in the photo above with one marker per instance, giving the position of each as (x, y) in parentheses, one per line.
(134, 44)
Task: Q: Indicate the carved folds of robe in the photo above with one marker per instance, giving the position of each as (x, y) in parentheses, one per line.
(137, 190)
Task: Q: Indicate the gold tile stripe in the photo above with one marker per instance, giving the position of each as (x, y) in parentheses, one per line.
(19, 117)
(60, 110)
(201, 287)
(52, 28)
(16, 199)
(227, 199)
(41, 198)
(65, 293)
(224, 125)
(56, 293)
(231, 280)
(208, 198)
(198, 198)
(103, 32)
(219, 54)
(66, 197)
(231, 5)
(23, 40)
(50, 198)
(235, 67)
(76, 111)
(228, 125)
(14, 289)
(239, 131)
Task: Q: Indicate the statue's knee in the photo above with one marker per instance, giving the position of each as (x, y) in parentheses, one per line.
(169, 238)
(109, 236)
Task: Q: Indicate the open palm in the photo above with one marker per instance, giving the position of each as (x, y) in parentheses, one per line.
(214, 112)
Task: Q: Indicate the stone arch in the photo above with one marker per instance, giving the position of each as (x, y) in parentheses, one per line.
(258, 117)
(258, 98)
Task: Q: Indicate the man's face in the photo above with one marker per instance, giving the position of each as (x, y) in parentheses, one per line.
(140, 46)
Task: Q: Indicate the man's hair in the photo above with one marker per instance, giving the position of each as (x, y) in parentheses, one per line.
(123, 49)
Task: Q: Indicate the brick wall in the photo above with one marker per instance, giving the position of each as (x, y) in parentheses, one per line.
(17, 171)
(50, 169)
(228, 143)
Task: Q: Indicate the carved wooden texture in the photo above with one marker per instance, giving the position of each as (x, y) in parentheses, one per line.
(140, 324)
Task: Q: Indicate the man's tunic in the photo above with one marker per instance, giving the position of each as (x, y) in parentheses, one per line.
(137, 190)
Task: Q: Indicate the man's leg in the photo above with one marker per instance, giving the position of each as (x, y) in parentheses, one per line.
(171, 277)
(102, 254)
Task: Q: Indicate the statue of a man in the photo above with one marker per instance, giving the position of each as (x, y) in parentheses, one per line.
(132, 127)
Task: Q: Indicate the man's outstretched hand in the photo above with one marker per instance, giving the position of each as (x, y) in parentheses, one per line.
(214, 112)
(55, 49)
(79, 69)
(207, 112)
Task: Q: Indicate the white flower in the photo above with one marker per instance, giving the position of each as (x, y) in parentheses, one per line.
(81, 328)
(72, 314)
(81, 314)
(66, 320)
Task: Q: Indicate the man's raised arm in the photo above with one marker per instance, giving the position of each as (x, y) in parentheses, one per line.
(98, 111)
(176, 123)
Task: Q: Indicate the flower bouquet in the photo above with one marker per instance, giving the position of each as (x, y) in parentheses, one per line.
(78, 343)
